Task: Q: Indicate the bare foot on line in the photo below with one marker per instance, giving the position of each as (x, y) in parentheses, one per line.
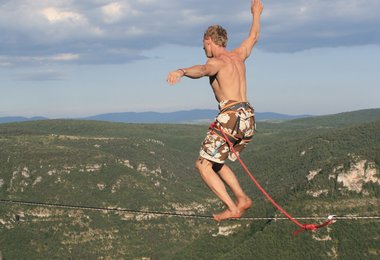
(244, 204)
(227, 214)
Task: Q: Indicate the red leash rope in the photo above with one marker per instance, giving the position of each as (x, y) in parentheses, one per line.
(330, 220)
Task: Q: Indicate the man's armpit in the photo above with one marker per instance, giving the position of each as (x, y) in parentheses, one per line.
(242, 52)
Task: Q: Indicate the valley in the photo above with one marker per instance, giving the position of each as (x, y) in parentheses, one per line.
(312, 167)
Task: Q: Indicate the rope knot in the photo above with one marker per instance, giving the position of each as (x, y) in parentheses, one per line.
(311, 227)
(306, 227)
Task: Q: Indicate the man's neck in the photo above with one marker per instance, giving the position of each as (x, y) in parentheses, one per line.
(218, 51)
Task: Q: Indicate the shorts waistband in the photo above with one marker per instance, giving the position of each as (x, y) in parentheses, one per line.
(233, 105)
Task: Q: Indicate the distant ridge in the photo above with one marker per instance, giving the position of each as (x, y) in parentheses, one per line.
(200, 116)
(156, 117)
(341, 119)
(11, 119)
(189, 116)
(194, 116)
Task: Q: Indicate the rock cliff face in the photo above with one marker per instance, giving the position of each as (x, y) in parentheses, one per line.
(360, 172)
(353, 179)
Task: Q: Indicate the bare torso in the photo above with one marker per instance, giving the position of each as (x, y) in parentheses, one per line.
(230, 83)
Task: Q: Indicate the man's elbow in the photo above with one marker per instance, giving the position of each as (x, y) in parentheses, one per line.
(256, 37)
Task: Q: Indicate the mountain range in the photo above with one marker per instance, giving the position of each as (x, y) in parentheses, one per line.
(186, 116)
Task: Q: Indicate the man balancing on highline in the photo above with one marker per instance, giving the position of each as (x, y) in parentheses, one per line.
(226, 71)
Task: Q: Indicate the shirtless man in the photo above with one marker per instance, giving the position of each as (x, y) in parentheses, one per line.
(226, 71)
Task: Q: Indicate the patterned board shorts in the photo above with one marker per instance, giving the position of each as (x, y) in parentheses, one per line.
(237, 119)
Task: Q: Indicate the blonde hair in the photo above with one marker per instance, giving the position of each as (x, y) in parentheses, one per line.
(217, 34)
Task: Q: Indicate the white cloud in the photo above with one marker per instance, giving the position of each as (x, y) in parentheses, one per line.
(90, 30)
(54, 15)
(116, 11)
(112, 12)
(4, 62)
(193, 17)
(7, 61)
(299, 24)
(65, 57)
(134, 31)
(148, 1)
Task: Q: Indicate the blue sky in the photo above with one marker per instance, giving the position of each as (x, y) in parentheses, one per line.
(71, 58)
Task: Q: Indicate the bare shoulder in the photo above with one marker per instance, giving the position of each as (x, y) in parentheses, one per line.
(217, 63)
(241, 52)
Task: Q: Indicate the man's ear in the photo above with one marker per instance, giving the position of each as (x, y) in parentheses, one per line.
(208, 40)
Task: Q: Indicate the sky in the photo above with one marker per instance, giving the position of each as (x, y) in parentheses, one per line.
(77, 58)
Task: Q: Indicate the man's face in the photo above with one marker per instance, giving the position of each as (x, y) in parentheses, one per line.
(207, 47)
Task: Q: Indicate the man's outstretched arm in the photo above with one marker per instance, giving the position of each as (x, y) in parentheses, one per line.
(245, 49)
(211, 68)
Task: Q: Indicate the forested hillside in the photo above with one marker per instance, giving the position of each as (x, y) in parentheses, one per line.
(312, 167)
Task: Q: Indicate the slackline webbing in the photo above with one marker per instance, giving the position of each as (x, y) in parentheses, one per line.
(173, 214)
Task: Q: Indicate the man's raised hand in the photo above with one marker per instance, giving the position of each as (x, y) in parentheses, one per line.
(257, 7)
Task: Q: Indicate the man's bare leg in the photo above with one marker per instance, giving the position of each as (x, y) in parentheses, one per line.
(243, 201)
(215, 183)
